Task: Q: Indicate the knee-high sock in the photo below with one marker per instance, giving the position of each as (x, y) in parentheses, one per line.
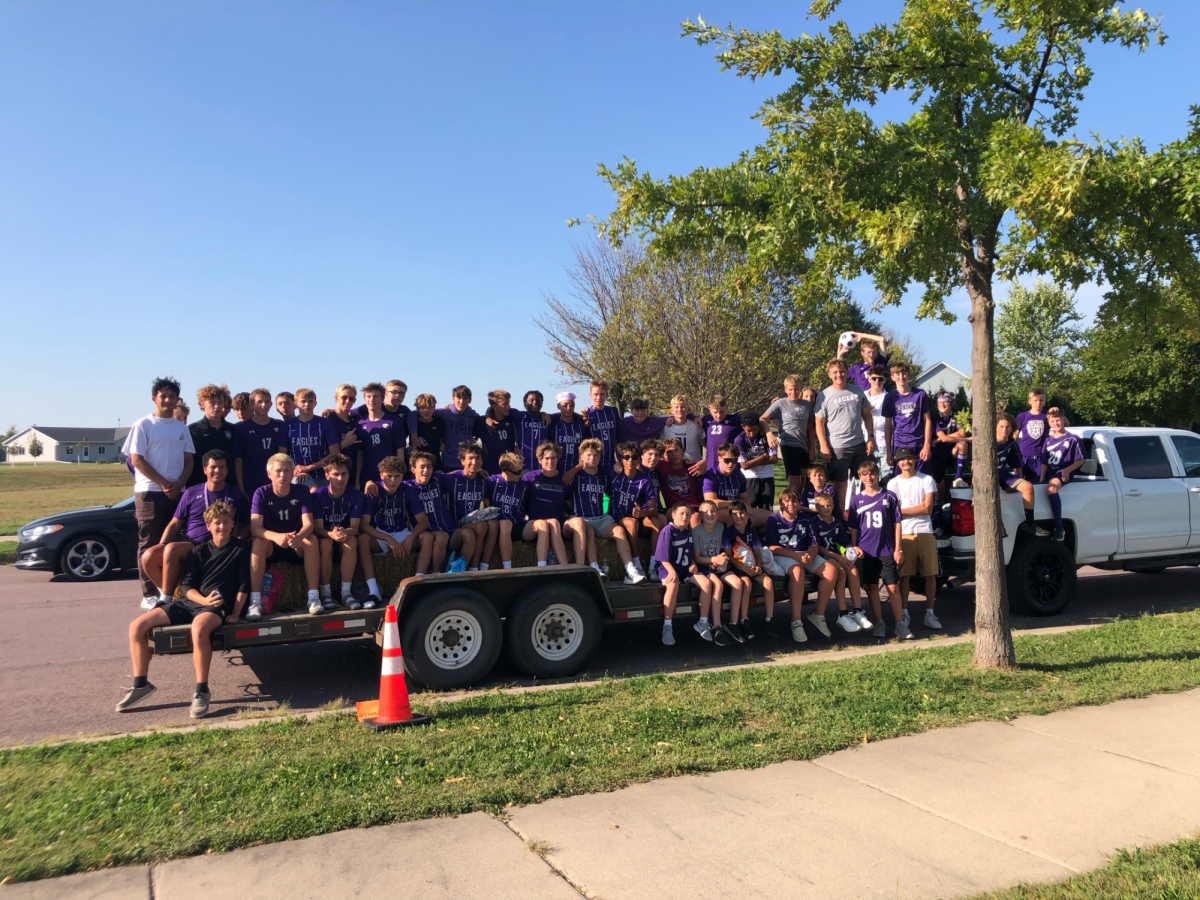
(958, 465)
(1056, 508)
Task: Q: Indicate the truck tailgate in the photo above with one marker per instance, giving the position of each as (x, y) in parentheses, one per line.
(281, 628)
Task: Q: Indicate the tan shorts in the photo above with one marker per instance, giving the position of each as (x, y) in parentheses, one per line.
(920, 555)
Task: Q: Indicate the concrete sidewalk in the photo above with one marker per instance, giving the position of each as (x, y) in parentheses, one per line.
(940, 814)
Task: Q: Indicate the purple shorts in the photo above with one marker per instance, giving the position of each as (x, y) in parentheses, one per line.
(1011, 478)
(1057, 473)
(681, 572)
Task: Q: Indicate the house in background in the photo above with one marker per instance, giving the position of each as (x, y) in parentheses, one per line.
(67, 445)
(942, 376)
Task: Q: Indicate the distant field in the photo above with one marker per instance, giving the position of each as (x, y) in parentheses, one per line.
(30, 492)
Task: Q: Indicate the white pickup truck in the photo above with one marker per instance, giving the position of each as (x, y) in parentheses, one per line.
(1134, 506)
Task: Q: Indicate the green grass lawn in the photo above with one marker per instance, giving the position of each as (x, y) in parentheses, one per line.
(1167, 872)
(29, 492)
(138, 799)
(8, 553)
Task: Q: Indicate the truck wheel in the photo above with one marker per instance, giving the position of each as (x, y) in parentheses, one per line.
(1041, 577)
(452, 639)
(553, 631)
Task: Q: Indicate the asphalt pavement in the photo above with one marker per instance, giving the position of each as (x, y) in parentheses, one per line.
(64, 658)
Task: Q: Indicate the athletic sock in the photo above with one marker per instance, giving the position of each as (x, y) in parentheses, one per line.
(373, 587)
(255, 597)
(201, 687)
(704, 620)
(140, 681)
(314, 595)
(507, 563)
(959, 461)
(541, 562)
(483, 567)
(1029, 516)
(164, 597)
(473, 568)
(326, 591)
(1056, 508)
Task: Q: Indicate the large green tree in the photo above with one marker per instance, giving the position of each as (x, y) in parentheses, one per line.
(980, 181)
(1037, 343)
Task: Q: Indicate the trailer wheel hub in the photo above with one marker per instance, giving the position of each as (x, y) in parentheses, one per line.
(452, 640)
(557, 632)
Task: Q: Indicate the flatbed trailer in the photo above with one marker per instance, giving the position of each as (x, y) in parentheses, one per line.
(453, 627)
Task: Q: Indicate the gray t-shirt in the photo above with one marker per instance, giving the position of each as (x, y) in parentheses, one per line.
(842, 412)
(707, 543)
(793, 416)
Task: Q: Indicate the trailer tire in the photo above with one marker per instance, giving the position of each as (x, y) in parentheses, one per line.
(452, 639)
(552, 631)
(1041, 577)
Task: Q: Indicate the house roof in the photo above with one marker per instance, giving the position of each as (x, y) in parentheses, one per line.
(72, 435)
(936, 369)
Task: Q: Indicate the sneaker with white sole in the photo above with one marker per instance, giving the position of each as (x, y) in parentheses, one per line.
(819, 623)
(199, 705)
(863, 620)
(798, 634)
(634, 577)
(959, 483)
(880, 630)
(370, 603)
(314, 607)
(328, 604)
(847, 623)
(149, 603)
(931, 621)
(135, 696)
(653, 573)
(704, 630)
(255, 610)
(904, 618)
(668, 636)
(903, 632)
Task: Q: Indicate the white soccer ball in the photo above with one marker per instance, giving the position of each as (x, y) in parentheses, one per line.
(847, 339)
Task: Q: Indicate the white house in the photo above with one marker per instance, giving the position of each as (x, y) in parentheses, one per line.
(942, 376)
(66, 445)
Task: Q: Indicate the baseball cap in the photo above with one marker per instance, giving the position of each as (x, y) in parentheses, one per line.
(905, 453)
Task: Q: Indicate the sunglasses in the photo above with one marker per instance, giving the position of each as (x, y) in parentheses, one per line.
(627, 456)
(728, 459)
(876, 378)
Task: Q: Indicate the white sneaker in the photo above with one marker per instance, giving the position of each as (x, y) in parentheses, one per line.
(149, 603)
(847, 623)
(633, 576)
(903, 632)
(314, 607)
(653, 573)
(255, 610)
(880, 630)
(863, 620)
(959, 483)
(668, 634)
(704, 630)
(798, 634)
(819, 623)
(904, 618)
(931, 621)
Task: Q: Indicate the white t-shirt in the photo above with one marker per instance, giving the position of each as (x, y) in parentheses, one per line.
(692, 436)
(877, 419)
(163, 442)
(912, 492)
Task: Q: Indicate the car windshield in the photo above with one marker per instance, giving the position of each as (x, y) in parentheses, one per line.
(124, 504)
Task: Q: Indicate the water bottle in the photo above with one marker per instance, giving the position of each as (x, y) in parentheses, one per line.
(551, 559)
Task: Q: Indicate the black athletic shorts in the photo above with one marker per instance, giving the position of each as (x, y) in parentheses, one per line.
(795, 460)
(873, 569)
(761, 492)
(937, 468)
(184, 612)
(284, 554)
(846, 461)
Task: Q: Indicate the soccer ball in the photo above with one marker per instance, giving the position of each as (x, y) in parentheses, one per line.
(847, 339)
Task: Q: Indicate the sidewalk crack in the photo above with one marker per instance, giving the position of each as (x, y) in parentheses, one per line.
(541, 855)
(948, 818)
(1115, 753)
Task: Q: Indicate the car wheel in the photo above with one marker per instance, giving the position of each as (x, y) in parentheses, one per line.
(1041, 577)
(88, 557)
(452, 639)
(552, 631)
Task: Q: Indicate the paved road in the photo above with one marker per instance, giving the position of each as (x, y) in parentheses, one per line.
(64, 655)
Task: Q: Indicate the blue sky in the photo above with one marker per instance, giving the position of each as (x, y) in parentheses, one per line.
(299, 194)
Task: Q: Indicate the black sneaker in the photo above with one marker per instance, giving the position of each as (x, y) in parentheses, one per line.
(1059, 533)
(769, 628)
(748, 630)
(719, 636)
(135, 696)
(731, 629)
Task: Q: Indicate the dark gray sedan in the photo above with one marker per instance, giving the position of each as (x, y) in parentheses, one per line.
(83, 544)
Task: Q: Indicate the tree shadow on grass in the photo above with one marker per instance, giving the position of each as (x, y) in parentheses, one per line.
(1095, 661)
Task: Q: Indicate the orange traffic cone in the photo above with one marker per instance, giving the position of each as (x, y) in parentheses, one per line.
(394, 710)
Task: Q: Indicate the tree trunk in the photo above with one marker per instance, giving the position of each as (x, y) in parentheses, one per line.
(993, 637)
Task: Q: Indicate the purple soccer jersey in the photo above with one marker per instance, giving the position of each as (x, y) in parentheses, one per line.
(531, 432)
(547, 495)
(254, 444)
(460, 429)
(1008, 461)
(307, 443)
(1061, 451)
(810, 493)
(831, 534)
(430, 498)
(510, 497)
(389, 512)
(588, 490)
(875, 516)
(751, 446)
(629, 430)
(496, 442)
(338, 511)
(625, 492)
(857, 373)
(796, 535)
(674, 546)
(907, 412)
(465, 494)
(400, 416)
(730, 538)
(196, 499)
(726, 487)
(1032, 432)
(718, 433)
(602, 423)
(567, 435)
(947, 425)
(377, 440)
(282, 514)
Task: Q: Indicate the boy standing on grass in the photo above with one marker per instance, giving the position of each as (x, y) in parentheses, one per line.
(254, 442)
(756, 457)
(906, 414)
(308, 438)
(376, 439)
(601, 421)
(873, 348)
(842, 411)
(509, 492)
(547, 504)
(215, 583)
(743, 546)
(160, 451)
(874, 522)
(282, 522)
(876, 395)
(591, 484)
(1064, 454)
(797, 433)
(916, 493)
(338, 508)
(385, 527)
(212, 432)
(676, 566)
(1032, 429)
(793, 542)
(833, 537)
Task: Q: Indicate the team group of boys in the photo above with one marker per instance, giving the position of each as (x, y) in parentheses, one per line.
(340, 486)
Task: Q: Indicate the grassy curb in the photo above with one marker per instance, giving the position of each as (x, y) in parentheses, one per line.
(1166, 872)
(140, 799)
(8, 553)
